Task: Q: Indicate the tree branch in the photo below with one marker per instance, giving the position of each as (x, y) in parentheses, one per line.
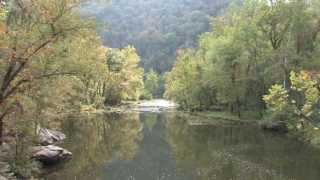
(4, 114)
(24, 81)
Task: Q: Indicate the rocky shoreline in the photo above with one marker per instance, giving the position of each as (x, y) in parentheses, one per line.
(48, 153)
(5, 169)
(45, 151)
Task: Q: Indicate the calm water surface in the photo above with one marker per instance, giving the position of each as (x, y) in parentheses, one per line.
(162, 146)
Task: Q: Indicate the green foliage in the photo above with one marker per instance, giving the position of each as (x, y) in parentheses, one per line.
(47, 50)
(51, 63)
(146, 95)
(249, 49)
(303, 83)
(19, 151)
(277, 99)
(278, 103)
(157, 28)
(115, 61)
(125, 77)
(3, 12)
(19, 160)
(152, 83)
(303, 100)
(183, 84)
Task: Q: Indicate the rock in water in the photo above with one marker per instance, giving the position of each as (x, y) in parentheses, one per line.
(50, 154)
(49, 137)
(279, 126)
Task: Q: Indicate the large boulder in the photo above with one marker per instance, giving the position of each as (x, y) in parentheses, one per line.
(49, 137)
(277, 126)
(50, 154)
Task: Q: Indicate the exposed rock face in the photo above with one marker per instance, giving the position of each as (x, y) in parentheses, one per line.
(49, 137)
(278, 126)
(50, 154)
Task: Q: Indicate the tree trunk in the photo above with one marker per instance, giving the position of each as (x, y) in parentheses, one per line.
(1, 130)
(238, 107)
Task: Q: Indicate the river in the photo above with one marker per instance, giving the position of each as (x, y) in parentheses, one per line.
(162, 145)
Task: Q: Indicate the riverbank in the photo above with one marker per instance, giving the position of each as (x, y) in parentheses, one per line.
(128, 114)
(24, 157)
(10, 168)
(5, 168)
(155, 106)
(207, 117)
(309, 135)
(200, 117)
(218, 118)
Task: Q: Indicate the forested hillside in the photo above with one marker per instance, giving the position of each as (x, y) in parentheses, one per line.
(234, 69)
(156, 28)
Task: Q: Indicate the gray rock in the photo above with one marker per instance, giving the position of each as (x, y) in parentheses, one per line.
(50, 154)
(49, 137)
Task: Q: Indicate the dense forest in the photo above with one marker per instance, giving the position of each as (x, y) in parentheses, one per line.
(156, 28)
(47, 44)
(261, 59)
(253, 59)
(53, 62)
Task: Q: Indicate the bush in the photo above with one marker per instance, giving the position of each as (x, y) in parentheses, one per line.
(146, 95)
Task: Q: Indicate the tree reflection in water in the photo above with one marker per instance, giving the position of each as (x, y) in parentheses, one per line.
(163, 146)
(238, 152)
(97, 140)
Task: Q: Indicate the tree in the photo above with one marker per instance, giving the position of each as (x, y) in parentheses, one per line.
(302, 101)
(125, 78)
(184, 83)
(39, 46)
(249, 49)
(157, 28)
(152, 83)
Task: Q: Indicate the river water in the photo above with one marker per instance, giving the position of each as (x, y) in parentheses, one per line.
(164, 146)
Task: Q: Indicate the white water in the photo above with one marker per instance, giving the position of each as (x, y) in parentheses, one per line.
(156, 105)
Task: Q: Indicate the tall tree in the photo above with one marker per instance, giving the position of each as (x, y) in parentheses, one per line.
(34, 47)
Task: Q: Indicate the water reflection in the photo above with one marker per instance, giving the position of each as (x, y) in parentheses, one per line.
(153, 160)
(96, 141)
(238, 152)
(162, 146)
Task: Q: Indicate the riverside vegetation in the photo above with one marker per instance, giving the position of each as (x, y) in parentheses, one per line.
(53, 62)
(259, 59)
